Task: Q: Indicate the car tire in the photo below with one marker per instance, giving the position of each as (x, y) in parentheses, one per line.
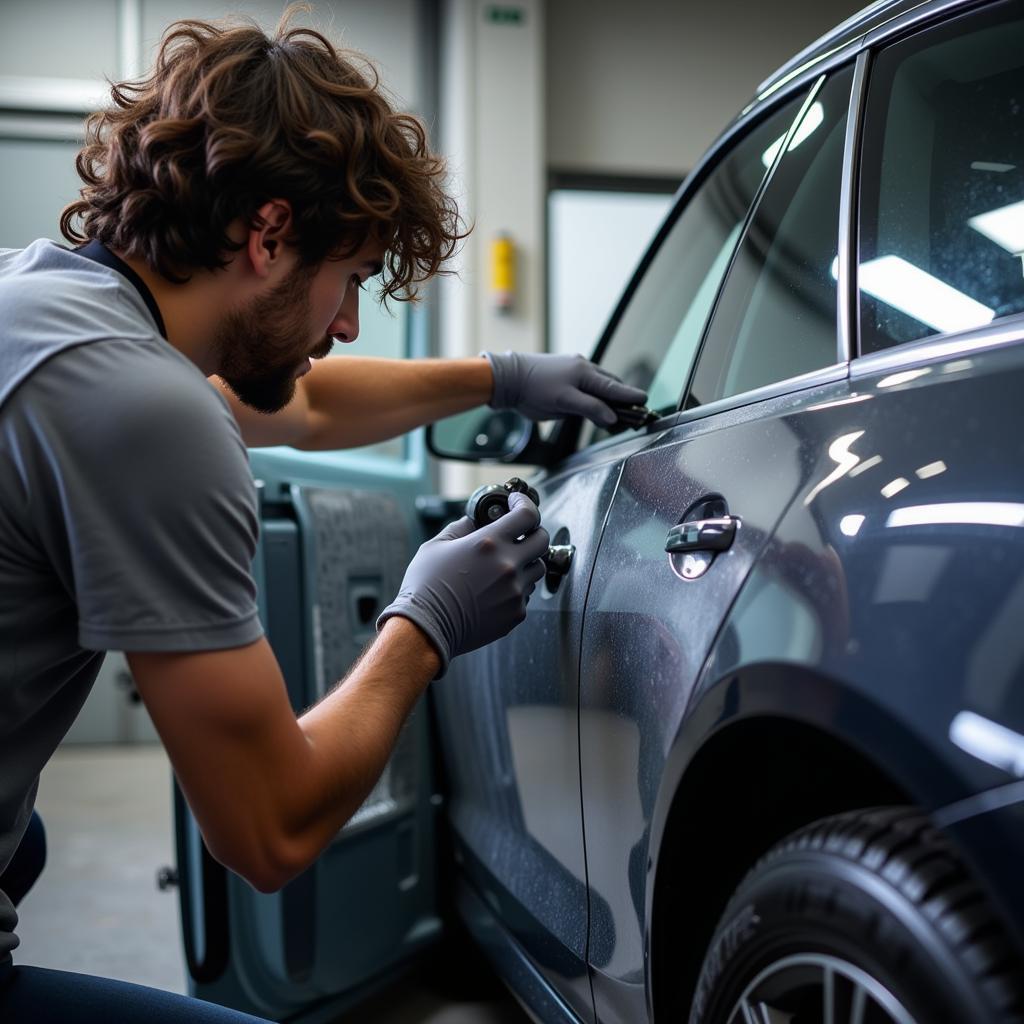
(872, 909)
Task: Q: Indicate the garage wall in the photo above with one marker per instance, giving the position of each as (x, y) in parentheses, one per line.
(54, 55)
(644, 87)
(388, 30)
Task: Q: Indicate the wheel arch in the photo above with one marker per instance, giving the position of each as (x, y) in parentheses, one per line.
(784, 746)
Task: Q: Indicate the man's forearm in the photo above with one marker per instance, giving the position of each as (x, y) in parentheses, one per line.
(356, 401)
(345, 403)
(352, 731)
(269, 791)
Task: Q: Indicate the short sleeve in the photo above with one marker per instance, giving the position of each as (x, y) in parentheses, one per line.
(145, 500)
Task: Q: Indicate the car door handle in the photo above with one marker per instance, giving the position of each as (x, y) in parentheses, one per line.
(702, 535)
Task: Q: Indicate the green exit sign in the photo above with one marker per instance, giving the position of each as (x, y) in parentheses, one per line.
(506, 15)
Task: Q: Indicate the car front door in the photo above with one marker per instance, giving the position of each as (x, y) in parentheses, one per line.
(337, 530)
(720, 475)
(508, 732)
(509, 714)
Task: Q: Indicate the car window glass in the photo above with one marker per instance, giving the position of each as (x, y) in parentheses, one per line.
(776, 317)
(942, 214)
(655, 341)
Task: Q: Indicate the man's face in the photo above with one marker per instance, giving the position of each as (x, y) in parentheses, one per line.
(264, 347)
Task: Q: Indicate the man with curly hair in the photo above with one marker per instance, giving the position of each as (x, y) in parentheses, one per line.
(235, 202)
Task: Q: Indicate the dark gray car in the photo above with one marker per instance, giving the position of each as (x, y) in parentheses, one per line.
(756, 755)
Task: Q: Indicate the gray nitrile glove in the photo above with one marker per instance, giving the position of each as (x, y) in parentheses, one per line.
(546, 387)
(467, 587)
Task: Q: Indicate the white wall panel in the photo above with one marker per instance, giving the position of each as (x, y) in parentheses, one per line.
(58, 38)
(37, 180)
(595, 240)
(385, 30)
(645, 87)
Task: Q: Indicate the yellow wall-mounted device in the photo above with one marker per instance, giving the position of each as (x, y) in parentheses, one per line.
(503, 272)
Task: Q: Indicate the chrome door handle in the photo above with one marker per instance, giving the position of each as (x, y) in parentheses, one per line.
(702, 535)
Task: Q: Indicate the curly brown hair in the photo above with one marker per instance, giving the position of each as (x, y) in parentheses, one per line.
(230, 118)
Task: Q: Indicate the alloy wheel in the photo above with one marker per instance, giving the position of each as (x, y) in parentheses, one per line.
(813, 988)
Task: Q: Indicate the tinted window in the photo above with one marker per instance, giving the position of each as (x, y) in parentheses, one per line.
(942, 214)
(654, 343)
(776, 317)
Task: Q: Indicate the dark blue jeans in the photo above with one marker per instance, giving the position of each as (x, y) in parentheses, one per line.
(34, 995)
(27, 862)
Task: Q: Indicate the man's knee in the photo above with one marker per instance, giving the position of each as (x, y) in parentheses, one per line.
(27, 863)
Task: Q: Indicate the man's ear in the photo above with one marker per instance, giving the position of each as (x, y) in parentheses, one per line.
(272, 225)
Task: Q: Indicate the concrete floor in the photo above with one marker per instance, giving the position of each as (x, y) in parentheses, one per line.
(97, 909)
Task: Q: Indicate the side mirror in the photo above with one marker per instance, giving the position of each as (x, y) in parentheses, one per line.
(488, 435)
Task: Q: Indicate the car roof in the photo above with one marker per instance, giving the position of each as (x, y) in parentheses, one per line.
(872, 17)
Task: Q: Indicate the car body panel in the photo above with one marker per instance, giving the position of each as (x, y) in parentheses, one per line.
(647, 633)
(533, 991)
(836, 604)
(894, 461)
(822, 597)
(990, 835)
(509, 737)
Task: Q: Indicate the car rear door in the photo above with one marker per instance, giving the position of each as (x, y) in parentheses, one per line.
(727, 466)
(337, 530)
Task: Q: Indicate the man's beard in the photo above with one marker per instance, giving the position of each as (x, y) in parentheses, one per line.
(261, 347)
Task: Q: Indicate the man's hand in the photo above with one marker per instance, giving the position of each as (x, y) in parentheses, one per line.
(467, 587)
(544, 387)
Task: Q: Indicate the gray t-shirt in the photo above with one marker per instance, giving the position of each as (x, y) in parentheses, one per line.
(128, 515)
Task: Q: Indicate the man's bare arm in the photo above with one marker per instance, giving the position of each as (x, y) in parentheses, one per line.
(269, 791)
(356, 400)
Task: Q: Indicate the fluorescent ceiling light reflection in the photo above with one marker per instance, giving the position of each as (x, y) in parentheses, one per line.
(852, 400)
(932, 469)
(904, 377)
(1004, 226)
(894, 487)
(900, 284)
(768, 156)
(866, 465)
(957, 366)
(988, 165)
(850, 525)
(839, 452)
(810, 122)
(988, 741)
(973, 513)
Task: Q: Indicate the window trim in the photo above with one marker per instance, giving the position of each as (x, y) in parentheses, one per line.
(999, 334)
(790, 385)
(918, 18)
(848, 249)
